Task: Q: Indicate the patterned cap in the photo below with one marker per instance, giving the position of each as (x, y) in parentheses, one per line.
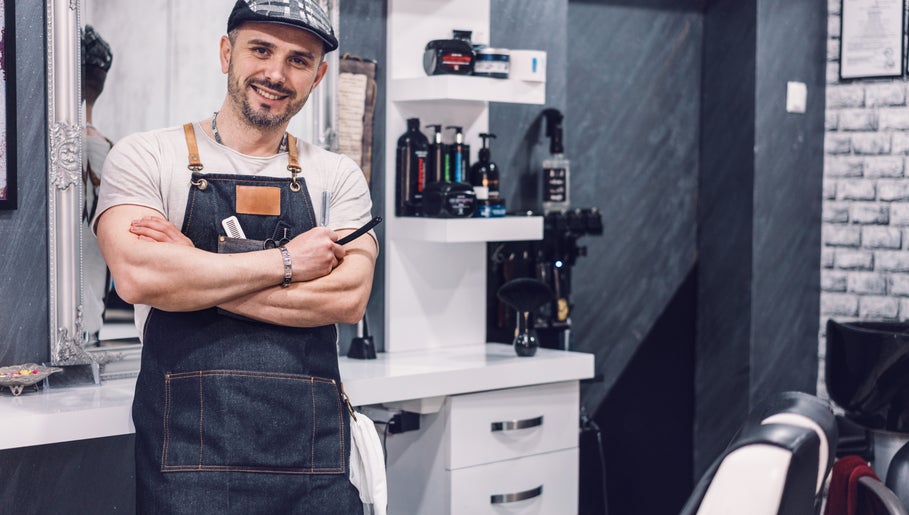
(303, 14)
(95, 51)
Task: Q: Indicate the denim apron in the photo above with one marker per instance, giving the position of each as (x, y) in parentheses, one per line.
(234, 415)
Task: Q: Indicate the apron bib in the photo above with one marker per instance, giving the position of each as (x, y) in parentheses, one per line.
(234, 415)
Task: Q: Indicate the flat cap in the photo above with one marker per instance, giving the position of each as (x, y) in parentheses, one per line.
(302, 14)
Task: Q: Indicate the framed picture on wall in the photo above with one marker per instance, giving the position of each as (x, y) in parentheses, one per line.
(7, 105)
(871, 39)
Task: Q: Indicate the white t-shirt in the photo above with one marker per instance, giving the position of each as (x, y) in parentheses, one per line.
(150, 169)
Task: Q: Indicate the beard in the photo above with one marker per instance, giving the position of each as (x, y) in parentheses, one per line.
(263, 117)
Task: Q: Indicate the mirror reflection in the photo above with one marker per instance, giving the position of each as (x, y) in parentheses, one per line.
(97, 59)
(149, 65)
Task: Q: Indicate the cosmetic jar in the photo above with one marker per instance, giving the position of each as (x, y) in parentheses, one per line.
(492, 62)
(448, 56)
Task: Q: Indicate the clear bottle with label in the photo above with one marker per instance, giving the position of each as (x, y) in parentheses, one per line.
(556, 168)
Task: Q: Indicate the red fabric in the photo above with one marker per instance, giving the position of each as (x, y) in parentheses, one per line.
(844, 496)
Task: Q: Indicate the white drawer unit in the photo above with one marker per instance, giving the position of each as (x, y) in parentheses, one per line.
(543, 484)
(504, 451)
(505, 424)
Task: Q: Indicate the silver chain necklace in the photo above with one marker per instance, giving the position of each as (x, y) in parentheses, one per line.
(214, 129)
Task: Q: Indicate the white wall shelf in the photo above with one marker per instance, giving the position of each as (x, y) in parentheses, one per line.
(467, 88)
(463, 230)
(435, 269)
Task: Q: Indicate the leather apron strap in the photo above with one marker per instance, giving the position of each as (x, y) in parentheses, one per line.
(293, 162)
(293, 155)
(195, 164)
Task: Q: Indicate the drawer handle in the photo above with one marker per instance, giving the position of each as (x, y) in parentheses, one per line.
(511, 425)
(515, 497)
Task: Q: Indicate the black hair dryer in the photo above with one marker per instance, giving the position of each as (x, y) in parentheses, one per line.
(525, 295)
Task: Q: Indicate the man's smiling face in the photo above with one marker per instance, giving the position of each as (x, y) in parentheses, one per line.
(271, 70)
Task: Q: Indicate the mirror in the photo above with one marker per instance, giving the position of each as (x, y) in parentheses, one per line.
(64, 195)
(164, 72)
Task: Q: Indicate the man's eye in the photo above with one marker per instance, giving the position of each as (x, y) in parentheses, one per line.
(260, 50)
(296, 61)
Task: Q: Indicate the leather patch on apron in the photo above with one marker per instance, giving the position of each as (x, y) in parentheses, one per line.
(258, 200)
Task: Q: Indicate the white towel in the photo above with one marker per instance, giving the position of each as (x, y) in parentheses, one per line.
(367, 464)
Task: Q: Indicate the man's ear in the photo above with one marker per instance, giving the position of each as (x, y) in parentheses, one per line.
(224, 53)
(323, 67)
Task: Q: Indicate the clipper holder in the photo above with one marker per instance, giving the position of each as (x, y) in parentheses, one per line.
(362, 346)
(550, 261)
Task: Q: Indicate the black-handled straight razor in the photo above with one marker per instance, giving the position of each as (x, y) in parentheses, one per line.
(360, 232)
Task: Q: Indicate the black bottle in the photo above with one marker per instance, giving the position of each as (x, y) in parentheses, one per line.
(484, 174)
(437, 152)
(413, 150)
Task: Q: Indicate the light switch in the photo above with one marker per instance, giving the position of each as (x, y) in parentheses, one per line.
(796, 97)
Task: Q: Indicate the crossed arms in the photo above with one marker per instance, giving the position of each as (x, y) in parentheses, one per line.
(153, 263)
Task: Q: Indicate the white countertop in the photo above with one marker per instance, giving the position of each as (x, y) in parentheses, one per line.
(84, 412)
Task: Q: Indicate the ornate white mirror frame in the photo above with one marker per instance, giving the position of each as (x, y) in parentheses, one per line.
(64, 195)
(64, 191)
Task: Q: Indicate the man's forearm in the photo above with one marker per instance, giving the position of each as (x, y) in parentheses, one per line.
(175, 276)
(178, 278)
(339, 297)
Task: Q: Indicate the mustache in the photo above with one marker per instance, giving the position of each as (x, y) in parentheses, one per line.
(274, 86)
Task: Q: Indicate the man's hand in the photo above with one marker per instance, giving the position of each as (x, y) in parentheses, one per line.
(314, 254)
(154, 228)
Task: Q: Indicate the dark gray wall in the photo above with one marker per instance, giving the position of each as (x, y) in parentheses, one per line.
(725, 232)
(519, 147)
(787, 208)
(677, 130)
(633, 133)
(23, 232)
(759, 239)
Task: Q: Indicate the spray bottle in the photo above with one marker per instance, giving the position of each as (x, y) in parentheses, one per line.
(556, 167)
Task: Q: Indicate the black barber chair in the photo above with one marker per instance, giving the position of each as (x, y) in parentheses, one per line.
(867, 374)
(898, 475)
(882, 497)
(775, 465)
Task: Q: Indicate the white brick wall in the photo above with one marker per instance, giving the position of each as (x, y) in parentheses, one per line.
(865, 224)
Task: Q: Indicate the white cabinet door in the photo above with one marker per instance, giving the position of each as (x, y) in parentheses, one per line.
(506, 424)
(545, 484)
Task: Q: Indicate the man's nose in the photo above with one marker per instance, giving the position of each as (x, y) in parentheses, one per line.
(275, 70)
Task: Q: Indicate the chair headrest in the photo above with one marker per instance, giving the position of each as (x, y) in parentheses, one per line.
(803, 410)
(769, 469)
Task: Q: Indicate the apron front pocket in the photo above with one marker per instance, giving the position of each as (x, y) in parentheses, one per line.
(227, 245)
(246, 421)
